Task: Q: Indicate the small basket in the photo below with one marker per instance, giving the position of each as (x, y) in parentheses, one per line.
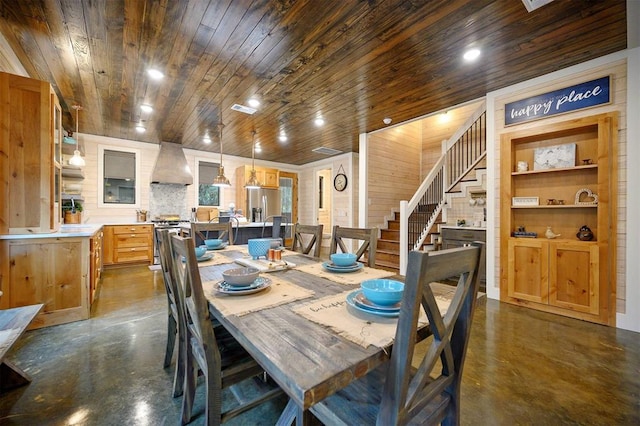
(141, 216)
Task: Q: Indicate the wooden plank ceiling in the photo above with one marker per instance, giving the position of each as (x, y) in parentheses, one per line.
(352, 62)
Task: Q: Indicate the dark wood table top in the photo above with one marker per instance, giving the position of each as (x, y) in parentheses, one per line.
(307, 360)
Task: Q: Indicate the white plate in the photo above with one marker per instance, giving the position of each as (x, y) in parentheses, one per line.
(333, 268)
(361, 300)
(264, 283)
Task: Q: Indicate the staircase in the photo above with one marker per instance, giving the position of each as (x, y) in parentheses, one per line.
(415, 226)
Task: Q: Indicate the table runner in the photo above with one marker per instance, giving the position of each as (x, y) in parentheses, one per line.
(360, 328)
(280, 292)
(366, 273)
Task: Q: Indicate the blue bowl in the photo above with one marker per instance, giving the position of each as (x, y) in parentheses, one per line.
(200, 251)
(343, 259)
(383, 292)
(259, 247)
(214, 243)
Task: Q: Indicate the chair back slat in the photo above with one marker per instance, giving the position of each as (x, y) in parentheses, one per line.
(408, 392)
(307, 237)
(366, 237)
(224, 231)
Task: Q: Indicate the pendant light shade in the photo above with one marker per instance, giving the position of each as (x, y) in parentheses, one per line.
(221, 180)
(77, 159)
(253, 182)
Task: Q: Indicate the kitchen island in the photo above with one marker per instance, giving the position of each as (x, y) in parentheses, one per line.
(243, 231)
(60, 270)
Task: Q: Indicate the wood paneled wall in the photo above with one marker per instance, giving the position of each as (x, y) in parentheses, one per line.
(394, 169)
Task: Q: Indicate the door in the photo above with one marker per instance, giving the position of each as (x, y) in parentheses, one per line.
(574, 282)
(289, 201)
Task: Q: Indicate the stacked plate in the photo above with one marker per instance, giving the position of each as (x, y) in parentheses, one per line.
(259, 284)
(220, 247)
(203, 258)
(357, 301)
(332, 267)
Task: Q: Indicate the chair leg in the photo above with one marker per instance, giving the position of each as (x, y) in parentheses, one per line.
(189, 389)
(172, 329)
(214, 398)
(179, 377)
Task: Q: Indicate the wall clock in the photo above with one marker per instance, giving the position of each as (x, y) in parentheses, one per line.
(340, 182)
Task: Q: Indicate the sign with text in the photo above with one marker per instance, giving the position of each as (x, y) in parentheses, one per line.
(583, 95)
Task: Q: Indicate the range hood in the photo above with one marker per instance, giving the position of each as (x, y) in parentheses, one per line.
(171, 166)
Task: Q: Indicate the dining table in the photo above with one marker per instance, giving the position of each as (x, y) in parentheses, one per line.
(301, 329)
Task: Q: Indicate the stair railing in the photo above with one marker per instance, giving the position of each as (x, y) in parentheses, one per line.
(462, 152)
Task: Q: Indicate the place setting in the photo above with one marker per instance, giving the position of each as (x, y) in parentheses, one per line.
(342, 263)
(242, 281)
(380, 297)
(343, 268)
(215, 244)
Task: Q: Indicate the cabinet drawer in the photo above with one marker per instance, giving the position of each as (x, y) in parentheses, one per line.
(132, 229)
(463, 234)
(132, 240)
(133, 254)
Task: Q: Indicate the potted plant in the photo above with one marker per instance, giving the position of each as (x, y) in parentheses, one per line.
(71, 210)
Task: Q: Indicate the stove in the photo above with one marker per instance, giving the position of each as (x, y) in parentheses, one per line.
(164, 223)
(172, 223)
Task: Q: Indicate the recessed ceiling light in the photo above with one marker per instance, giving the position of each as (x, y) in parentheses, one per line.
(282, 137)
(206, 139)
(319, 121)
(146, 108)
(140, 128)
(257, 147)
(155, 74)
(471, 54)
(253, 102)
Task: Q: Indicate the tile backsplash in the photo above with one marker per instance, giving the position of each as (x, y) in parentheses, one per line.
(168, 199)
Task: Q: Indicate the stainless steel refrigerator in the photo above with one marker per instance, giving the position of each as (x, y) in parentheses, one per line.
(262, 203)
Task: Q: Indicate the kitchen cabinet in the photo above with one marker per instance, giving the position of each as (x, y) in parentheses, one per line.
(95, 266)
(268, 177)
(124, 244)
(31, 162)
(562, 275)
(51, 271)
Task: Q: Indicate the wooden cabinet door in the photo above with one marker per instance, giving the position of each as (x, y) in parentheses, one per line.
(574, 277)
(54, 273)
(528, 263)
(107, 245)
(271, 178)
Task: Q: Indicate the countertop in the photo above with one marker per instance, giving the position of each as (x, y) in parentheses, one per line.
(66, 231)
(474, 228)
(242, 224)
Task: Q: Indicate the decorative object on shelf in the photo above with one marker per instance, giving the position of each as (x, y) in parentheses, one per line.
(221, 180)
(340, 181)
(585, 234)
(77, 159)
(472, 202)
(522, 233)
(253, 182)
(554, 157)
(523, 166)
(550, 234)
(72, 211)
(589, 198)
(525, 201)
(555, 202)
(587, 161)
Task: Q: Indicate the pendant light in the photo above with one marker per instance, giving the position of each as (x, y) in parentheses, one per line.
(253, 182)
(221, 180)
(77, 159)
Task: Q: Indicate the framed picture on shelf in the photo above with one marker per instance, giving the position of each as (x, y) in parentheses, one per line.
(525, 201)
(555, 157)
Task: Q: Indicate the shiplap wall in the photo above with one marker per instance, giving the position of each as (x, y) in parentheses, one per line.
(393, 170)
(618, 72)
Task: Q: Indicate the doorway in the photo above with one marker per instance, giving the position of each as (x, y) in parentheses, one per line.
(289, 202)
(324, 199)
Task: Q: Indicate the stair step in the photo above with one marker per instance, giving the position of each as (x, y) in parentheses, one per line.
(390, 234)
(388, 266)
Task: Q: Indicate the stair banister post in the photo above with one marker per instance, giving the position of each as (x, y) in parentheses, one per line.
(404, 236)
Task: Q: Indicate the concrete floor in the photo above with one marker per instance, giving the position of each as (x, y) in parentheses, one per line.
(523, 367)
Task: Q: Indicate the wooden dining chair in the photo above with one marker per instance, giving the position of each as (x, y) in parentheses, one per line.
(223, 231)
(221, 359)
(396, 393)
(307, 237)
(175, 327)
(367, 237)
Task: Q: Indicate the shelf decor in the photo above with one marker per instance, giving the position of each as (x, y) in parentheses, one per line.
(589, 199)
(554, 157)
(525, 201)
